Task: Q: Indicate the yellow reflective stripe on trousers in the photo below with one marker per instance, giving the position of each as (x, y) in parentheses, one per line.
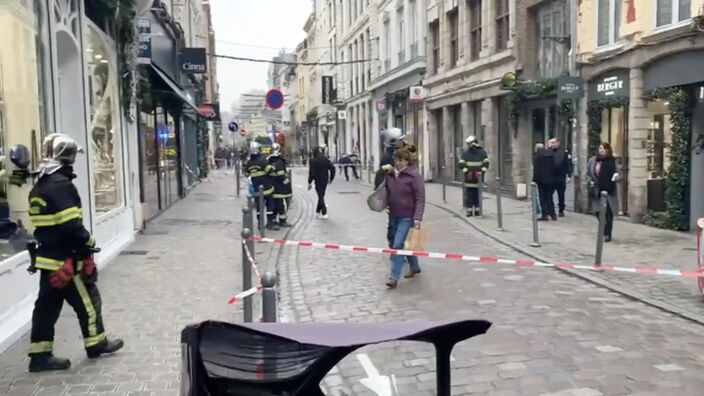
(48, 263)
(40, 347)
(88, 304)
(59, 218)
(282, 196)
(95, 340)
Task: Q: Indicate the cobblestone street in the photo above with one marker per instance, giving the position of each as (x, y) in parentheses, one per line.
(552, 334)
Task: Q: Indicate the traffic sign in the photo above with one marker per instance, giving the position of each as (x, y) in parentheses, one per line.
(233, 127)
(243, 133)
(509, 81)
(274, 99)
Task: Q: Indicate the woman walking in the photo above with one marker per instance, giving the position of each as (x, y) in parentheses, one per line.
(602, 174)
(322, 172)
(406, 199)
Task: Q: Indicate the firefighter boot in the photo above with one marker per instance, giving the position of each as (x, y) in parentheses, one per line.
(109, 346)
(47, 362)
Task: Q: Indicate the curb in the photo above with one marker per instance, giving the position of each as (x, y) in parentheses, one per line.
(582, 275)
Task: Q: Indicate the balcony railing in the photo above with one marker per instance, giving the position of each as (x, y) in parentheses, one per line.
(401, 57)
(414, 50)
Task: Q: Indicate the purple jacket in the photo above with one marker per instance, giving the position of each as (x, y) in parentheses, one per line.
(406, 194)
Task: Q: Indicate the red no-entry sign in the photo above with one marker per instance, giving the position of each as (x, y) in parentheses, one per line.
(274, 99)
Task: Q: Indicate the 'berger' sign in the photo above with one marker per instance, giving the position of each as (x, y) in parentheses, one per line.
(193, 60)
(609, 85)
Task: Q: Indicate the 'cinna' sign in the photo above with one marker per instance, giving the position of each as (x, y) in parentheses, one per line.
(193, 60)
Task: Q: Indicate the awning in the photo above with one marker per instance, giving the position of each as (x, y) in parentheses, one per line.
(177, 90)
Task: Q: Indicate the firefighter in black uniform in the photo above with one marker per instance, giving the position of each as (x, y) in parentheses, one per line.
(282, 185)
(262, 174)
(474, 164)
(64, 258)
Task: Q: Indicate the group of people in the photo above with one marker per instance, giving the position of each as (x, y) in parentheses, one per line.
(270, 172)
(552, 170)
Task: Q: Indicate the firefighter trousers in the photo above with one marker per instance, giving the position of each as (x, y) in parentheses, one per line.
(472, 204)
(85, 300)
(281, 208)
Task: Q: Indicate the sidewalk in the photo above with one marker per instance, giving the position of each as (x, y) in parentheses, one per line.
(182, 270)
(572, 239)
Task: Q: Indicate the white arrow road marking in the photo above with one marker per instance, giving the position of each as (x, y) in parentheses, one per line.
(379, 384)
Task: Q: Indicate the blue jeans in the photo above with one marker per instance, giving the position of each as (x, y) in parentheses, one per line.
(399, 229)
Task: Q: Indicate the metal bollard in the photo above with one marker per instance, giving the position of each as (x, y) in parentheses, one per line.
(499, 211)
(247, 221)
(481, 197)
(237, 177)
(269, 297)
(444, 190)
(262, 210)
(533, 207)
(247, 273)
(602, 224)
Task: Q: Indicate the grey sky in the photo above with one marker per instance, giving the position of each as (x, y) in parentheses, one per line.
(266, 23)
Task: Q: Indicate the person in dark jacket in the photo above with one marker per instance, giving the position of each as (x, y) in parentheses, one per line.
(282, 185)
(322, 172)
(262, 173)
(64, 258)
(347, 162)
(406, 199)
(474, 164)
(602, 175)
(563, 172)
(544, 177)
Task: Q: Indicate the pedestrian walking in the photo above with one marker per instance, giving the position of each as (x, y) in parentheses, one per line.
(348, 162)
(406, 199)
(262, 173)
(64, 257)
(322, 172)
(544, 177)
(474, 164)
(563, 172)
(602, 175)
(282, 185)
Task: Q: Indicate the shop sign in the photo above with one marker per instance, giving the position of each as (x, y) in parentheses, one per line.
(613, 84)
(569, 87)
(416, 94)
(144, 45)
(210, 111)
(194, 60)
(381, 106)
(327, 90)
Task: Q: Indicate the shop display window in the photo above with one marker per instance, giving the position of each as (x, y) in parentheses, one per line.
(24, 79)
(104, 120)
(659, 139)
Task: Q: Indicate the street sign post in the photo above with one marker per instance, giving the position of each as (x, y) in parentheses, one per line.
(274, 99)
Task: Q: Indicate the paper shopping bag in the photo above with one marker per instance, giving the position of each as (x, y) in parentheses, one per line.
(415, 240)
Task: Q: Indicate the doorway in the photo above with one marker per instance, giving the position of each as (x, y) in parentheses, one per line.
(505, 151)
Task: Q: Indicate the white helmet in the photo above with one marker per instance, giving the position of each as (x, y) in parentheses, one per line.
(471, 139)
(393, 136)
(275, 149)
(255, 148)
(58, 150)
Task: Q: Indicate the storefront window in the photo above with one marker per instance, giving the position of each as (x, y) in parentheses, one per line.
(148, 146)
(659, 139)
(23, 66)
(104, 120)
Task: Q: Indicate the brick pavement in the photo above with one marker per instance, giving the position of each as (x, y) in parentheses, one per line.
(572, 239)
(182, 270)
(553, 334)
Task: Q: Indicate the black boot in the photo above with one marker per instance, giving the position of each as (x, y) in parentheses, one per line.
(105, 347)
(283, 223)
(272, 226)
(47, 362)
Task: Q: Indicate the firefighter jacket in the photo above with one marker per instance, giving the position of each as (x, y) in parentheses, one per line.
(474, 163)
(56, 213)
(282, 184)
(261, 172)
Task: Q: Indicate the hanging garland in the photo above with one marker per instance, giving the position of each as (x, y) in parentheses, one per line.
(126, 35)
(528, 91)
(680, 106)
(594, 115)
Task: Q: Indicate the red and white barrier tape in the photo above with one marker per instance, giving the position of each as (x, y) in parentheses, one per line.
(245, 294)
(251, 260)
(447, 256)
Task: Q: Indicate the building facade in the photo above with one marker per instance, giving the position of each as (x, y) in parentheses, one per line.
(471, 44)
(642, 67)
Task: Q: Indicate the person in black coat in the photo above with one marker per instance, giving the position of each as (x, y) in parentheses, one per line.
(563, 172)
(602, 175)
(544, 177)
(322, 172)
